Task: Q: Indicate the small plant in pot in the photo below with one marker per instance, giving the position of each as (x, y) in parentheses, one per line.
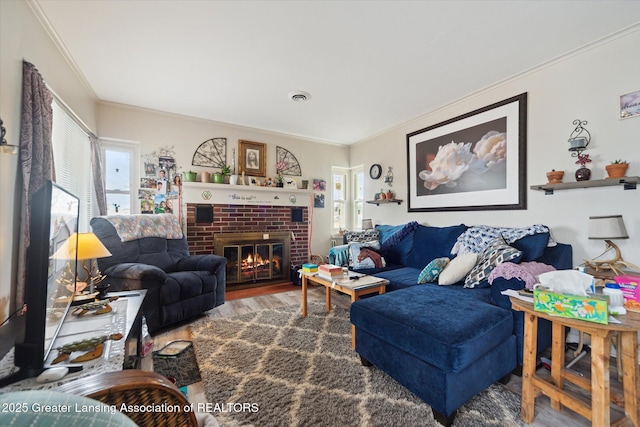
(225, 172)
(617, 168)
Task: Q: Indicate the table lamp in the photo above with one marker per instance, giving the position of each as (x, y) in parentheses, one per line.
(89, 247)
(367, 224)
(608, 228)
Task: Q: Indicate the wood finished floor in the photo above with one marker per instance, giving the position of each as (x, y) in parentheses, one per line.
(246, 303)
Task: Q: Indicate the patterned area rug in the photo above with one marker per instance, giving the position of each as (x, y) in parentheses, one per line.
(276, 368)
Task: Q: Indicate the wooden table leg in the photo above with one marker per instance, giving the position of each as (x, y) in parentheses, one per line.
(328, 298)
(304, 295)
(628, 350)
(600, 385)
(527, 410)
(557, 360)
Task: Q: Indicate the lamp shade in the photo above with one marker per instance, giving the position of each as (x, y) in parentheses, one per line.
(88, 244)
(367, 224)
(607, 227)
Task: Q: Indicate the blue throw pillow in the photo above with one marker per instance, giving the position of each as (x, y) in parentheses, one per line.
(402, 238)
(532, 246)
(431, 272)
(431, 243)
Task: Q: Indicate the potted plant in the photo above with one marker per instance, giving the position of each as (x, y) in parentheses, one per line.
(189, 176)
(617, 168)
(226, 173)
(280, 166)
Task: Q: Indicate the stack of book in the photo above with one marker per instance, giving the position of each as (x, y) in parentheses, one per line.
(309, 268)
(330, 271)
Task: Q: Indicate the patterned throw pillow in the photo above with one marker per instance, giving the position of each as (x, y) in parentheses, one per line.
(496, 252)
(431, 272)
(374, 260)
(457, 269)
(362, 236)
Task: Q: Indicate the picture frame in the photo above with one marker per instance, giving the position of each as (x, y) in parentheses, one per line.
(252, 158)
(476, 161)
(630, 105)
(290, 183)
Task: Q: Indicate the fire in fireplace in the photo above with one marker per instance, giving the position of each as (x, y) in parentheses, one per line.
(253, 257)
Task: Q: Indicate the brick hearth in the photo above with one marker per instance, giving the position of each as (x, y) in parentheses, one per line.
(243, 218)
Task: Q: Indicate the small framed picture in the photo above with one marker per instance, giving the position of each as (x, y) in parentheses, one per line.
(252, 158)
(630, 105)
(290, 183)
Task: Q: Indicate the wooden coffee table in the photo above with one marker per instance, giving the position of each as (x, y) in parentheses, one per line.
(362, 286)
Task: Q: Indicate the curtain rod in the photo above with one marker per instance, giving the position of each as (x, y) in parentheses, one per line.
(71, 113)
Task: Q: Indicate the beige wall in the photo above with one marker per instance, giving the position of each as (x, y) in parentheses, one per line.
(153, 130)
(584, 86)
(22, 37)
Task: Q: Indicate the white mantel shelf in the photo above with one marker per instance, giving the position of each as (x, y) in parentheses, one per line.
(203, 193)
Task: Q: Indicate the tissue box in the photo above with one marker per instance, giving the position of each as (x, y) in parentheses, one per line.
(592, 308)
(630, 286)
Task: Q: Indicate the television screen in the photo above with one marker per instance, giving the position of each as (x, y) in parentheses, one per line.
(51, 266)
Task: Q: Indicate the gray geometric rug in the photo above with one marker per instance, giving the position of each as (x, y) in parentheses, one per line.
(276, 368)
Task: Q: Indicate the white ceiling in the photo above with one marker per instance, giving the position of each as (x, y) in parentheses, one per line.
(369, 65)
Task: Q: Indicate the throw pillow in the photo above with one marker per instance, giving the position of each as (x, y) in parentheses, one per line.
(431, 272)
(495, 253)
(365, 255)
(457, 269)
(532, 246)
(362, 236)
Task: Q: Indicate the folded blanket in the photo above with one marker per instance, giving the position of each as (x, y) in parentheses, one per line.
(477, 237)
(133, 227)
(527, 272)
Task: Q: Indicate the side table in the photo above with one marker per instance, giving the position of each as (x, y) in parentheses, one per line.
(599, 413)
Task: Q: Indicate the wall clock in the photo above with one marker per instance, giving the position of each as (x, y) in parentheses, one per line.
(375, 171)
(212, 153)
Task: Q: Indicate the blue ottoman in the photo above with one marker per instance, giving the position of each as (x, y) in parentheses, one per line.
(443, 343)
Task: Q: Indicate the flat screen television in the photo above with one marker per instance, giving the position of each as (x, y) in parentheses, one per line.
(54, 220)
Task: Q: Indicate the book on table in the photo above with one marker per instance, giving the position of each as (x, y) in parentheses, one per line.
(330, 269)
(357, 281)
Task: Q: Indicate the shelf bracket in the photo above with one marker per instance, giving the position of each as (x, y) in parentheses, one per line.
(548, 191)
(629, 185)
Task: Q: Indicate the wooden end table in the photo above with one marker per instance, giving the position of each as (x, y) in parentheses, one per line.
(599, 413)
(363, 286)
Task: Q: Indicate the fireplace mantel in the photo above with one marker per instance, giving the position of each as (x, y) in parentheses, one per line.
(203, 193)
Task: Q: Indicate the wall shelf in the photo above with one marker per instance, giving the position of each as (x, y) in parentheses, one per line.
(627, 182)
(383, 201)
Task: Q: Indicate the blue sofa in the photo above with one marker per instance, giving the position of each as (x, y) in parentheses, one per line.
(444, 343)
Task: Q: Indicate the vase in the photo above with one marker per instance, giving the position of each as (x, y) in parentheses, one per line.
(280, 184)
(189, 176)
(617, 170)
(554, 177)
(218, 178)
(205, 176)
(233, 179)
(583, 174)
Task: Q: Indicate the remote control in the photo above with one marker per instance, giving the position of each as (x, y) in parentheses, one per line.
(52, 374)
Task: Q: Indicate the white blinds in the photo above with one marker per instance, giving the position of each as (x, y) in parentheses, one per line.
(71, 157)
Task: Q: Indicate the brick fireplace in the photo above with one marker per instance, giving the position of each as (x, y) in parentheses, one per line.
(265, 222)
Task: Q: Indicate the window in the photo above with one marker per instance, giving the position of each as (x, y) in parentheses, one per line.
(347, 189)
(120, 176)
(72, 160)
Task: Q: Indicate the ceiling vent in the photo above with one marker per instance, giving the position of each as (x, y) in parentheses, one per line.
(299, 96)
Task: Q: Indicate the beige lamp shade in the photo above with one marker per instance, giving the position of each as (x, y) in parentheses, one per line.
(607, 227)
(88, 245)
(367, 224)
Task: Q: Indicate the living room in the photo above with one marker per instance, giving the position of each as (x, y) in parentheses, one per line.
(584, 83)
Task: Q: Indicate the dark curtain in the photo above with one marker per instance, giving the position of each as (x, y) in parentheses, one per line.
(36, 154)
(98, 174)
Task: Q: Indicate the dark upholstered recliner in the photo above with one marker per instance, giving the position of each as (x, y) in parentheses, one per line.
(150, 252)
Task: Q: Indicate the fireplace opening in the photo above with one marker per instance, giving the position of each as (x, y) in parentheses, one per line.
(254, 257)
